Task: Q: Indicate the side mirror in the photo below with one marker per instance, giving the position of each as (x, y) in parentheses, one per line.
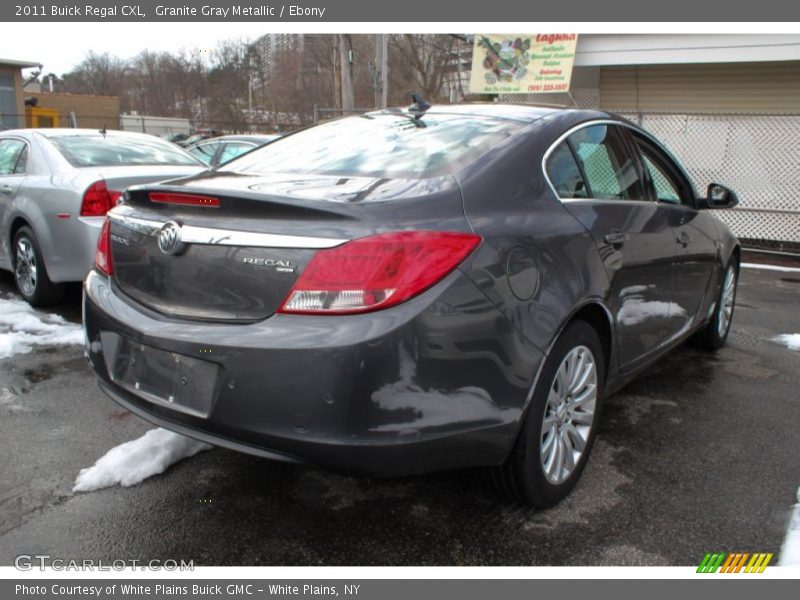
(718, 196)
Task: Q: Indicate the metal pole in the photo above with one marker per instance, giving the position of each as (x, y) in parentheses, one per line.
(345, 59)
(460, 91)
(335, 79)
(382, 65)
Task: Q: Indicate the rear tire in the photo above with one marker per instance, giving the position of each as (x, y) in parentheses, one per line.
(30, 274)
(561, 422)
(715, 334)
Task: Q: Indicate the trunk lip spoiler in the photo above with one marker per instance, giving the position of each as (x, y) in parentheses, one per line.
(192, 234)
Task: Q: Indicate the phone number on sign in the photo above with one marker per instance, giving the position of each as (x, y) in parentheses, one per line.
(548, 87)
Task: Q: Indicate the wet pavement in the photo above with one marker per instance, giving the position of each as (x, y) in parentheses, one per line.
(700, 453)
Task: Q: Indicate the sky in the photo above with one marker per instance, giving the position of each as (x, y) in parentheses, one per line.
(61, 46)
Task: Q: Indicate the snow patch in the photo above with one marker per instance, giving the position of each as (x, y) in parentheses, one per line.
(133, 462)
(790, 340)
(770, 267)
(635, 310)
(635, 289)
(22, 327)
(790, 551)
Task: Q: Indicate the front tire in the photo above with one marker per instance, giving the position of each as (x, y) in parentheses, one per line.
(715, 334)
(560, 425)
(30, 274)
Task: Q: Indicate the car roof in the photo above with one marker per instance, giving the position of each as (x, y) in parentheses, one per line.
(240, 138)
(56, 132)
(51, 132)
(524, 113)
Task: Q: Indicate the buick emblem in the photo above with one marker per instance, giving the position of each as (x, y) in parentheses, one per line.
(169, 238)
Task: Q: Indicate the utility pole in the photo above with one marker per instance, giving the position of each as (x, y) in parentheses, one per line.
(336, 95)
(346, 62)
(382, 66)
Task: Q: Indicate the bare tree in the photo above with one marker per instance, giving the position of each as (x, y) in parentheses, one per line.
(419, 62)
(227, 85)
(101, 74)
(227, 89)
(187, 73)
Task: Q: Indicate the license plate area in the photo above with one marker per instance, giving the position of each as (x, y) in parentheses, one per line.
(177, 381)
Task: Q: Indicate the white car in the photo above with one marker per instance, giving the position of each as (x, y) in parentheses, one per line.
(56, 186)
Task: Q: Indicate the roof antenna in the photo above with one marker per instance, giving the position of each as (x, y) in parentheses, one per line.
(103, 130)
(420, 106)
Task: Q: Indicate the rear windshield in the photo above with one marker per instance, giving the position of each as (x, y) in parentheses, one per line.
(113, 150)
(382, 145)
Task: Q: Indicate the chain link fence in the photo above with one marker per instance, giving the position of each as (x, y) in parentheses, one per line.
(326, 113)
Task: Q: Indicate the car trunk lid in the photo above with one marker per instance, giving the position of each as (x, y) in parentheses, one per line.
(237, 259)
(119, 178)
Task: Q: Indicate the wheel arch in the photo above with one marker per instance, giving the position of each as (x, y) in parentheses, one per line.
(599, 318)
(41, 232)
(593, 312)
(736, 253)
(17, 223)
(505, 477)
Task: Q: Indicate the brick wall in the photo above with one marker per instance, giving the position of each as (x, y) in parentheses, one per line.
(92, 112)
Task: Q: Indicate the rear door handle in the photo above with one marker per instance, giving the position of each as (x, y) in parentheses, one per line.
(6, 189)
(616, 238)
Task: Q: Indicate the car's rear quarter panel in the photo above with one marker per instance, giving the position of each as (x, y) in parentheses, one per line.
(508, 201)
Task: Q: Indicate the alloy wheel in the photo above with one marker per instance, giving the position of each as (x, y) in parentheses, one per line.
(569, 415)
(726, 302)
(25, 268)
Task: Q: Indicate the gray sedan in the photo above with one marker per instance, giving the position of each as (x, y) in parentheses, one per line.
(56, 186)
(409, 291)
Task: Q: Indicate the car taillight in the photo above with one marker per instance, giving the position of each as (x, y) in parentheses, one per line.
(376, 272)
(102, 257)
(98, 200)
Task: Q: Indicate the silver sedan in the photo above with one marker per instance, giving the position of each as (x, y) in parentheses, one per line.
(56, 186)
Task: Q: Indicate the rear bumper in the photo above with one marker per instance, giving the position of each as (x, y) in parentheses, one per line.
(438, 382)
(69, 251)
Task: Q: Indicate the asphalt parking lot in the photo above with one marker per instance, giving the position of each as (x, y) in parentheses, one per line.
(701, 453)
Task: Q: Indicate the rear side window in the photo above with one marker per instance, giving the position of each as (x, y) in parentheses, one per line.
(666, 190)
(85, 150)
(22, 161)
(204, 152)
(388, 144)
(665, 179)
(234, 149)
(607, 163)
(564, 173)
(13, 156)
